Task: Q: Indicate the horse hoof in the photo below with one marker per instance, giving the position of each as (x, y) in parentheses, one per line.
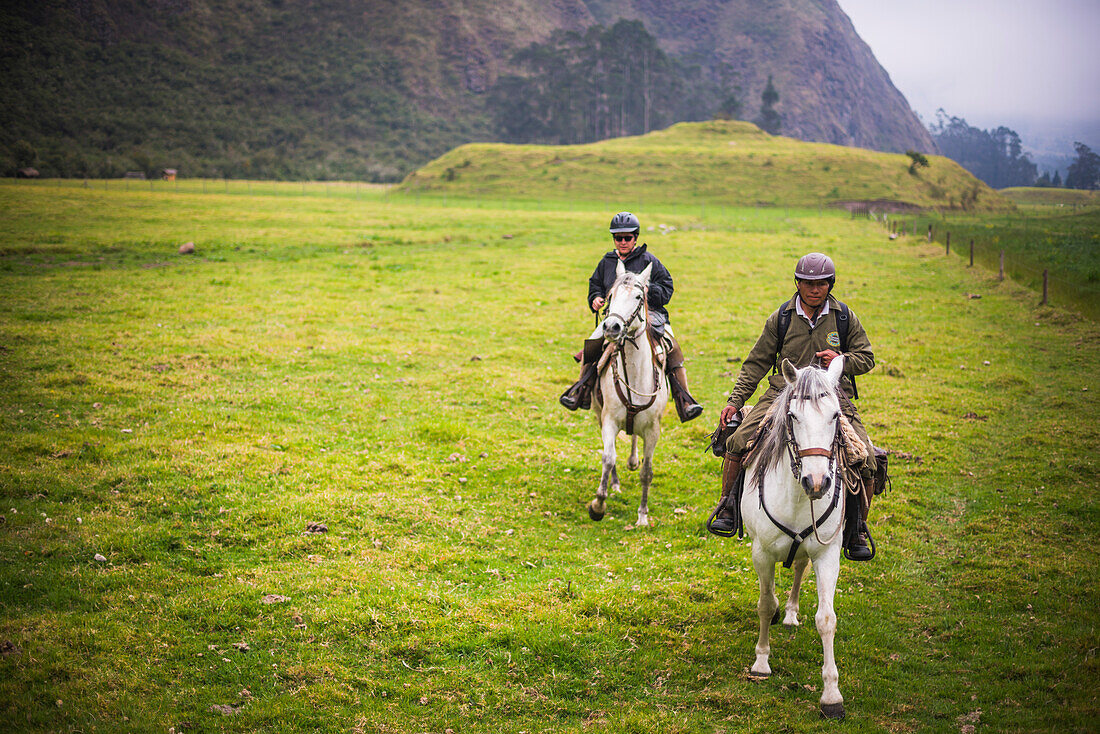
(833, 711)
(592, 513)
(753, 675)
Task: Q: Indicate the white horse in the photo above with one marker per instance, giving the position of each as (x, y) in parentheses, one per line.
(632, 391)
(793, 508)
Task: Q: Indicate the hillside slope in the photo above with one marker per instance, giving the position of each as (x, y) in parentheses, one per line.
(372, 89)
(716, 162)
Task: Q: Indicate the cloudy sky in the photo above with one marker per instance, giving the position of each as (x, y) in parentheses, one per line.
(1028, 64)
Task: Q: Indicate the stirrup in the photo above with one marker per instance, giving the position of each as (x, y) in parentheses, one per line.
(721, 531)
(870, 541)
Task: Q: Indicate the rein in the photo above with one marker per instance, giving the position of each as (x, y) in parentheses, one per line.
(796, 455)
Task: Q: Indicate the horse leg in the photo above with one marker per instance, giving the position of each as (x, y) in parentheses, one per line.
(827, 570)
(632, 462)
(766, 608)
(645, 476)
(597, 507)
(791, 617)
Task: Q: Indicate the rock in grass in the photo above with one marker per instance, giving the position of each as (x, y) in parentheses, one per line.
(99, 557)
(187, 248)
(315, 528)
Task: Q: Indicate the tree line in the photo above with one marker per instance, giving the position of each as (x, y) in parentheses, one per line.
(997, 158)
(580, 87)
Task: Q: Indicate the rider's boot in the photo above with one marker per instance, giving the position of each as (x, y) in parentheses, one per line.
(855, 532)
(579, 394)
(724, 518)
(686, 407)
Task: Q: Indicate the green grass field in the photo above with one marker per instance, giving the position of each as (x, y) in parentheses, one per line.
(1047, 197)
(391, 369)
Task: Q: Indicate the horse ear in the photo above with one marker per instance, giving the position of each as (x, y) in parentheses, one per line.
(836, 369)
(790, 374)
(644, 275)
(620, 269)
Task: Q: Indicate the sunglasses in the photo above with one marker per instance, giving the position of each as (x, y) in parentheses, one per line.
(623, 237)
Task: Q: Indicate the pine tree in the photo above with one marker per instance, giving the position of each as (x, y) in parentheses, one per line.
(770, 120)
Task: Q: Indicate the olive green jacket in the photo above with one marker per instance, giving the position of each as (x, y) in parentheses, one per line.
(800, 345)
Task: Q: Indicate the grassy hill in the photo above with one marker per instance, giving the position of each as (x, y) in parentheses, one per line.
(716, 162)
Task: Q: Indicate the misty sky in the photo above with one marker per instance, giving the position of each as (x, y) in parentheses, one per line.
(1020, 63)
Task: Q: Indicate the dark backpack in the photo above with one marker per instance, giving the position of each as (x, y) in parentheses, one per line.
(841, 330)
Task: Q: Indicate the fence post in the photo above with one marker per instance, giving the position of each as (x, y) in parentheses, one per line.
(1001, 272)
(948, 244)
(1044, 301)
(929, 232)
(971, 253)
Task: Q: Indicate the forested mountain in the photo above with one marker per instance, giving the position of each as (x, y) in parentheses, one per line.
(371, 89)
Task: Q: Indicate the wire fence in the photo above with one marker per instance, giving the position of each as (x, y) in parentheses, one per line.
(984, 245)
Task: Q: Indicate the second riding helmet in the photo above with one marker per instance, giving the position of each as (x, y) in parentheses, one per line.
(816, 266)
(625, 222)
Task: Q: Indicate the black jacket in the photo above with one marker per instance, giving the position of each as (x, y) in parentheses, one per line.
(660, 281)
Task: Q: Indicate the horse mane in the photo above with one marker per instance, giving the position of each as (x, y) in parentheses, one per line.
(624, 279)
(771, 446)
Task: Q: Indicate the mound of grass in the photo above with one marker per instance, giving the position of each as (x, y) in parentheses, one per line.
(717, 162)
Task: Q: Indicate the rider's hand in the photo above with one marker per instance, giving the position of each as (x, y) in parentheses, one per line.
(727, 415)
(597, 303)
(827, 356)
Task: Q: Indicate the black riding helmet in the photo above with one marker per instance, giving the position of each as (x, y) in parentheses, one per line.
(625, 222)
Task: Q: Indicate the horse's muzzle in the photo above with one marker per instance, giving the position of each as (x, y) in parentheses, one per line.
(817, 488)
(613, 329)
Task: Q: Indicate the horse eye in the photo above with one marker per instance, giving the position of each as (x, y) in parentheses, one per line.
(837, 416)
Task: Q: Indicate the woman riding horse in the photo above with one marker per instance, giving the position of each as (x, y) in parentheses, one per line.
(624, 231)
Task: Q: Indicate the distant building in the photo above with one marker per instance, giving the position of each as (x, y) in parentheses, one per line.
(168, 174)
(27, 173)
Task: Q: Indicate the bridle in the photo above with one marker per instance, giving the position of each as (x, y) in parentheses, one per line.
(623, 381)
(641, 308)
(796, 455)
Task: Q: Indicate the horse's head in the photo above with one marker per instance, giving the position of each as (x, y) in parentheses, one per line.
(813, 412)
(626, 304)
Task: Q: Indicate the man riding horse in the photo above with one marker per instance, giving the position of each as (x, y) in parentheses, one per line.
(624, 231)
(811, 328)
